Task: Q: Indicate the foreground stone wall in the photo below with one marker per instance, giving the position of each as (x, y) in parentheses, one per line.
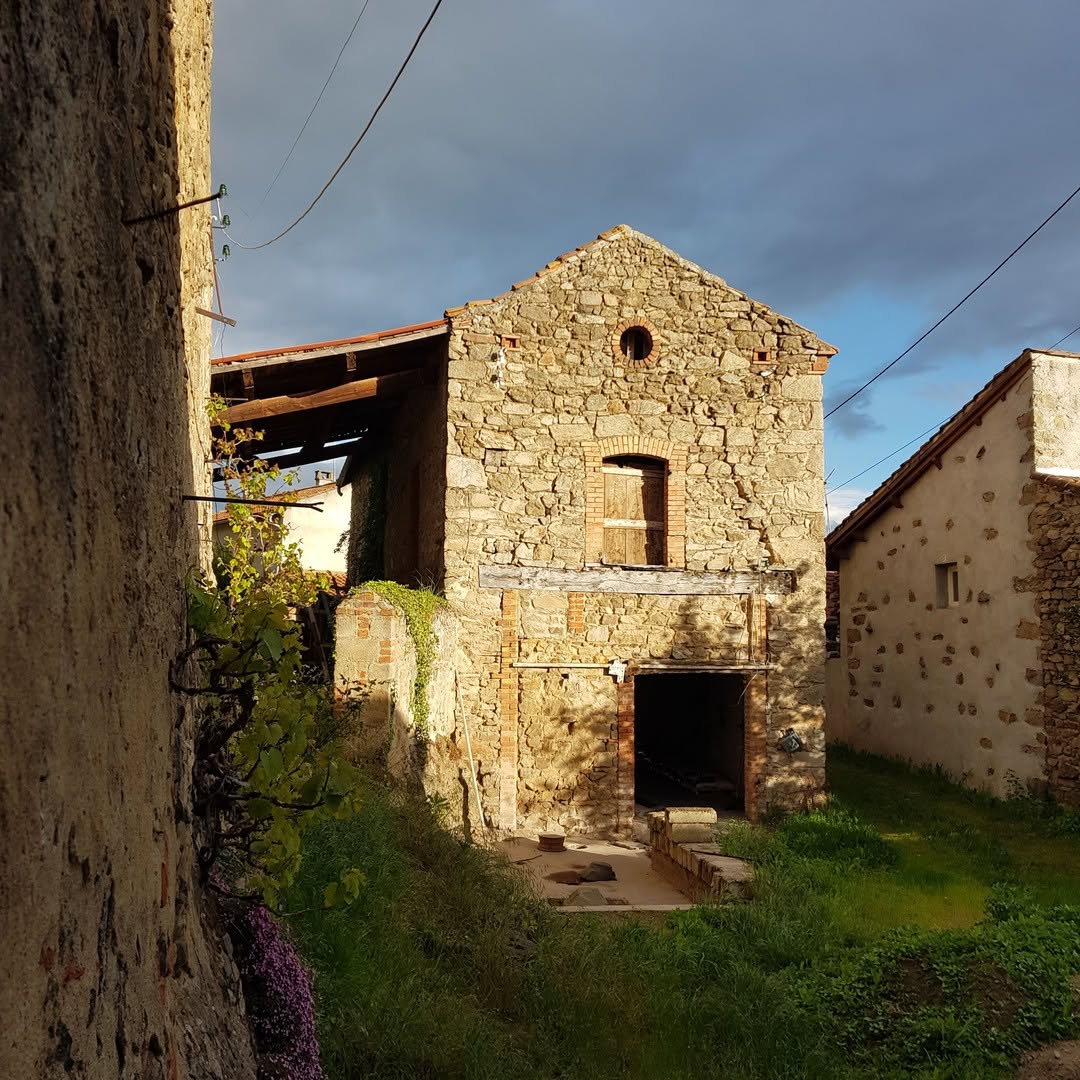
(537, 396)
(959, 686)
(109, 968)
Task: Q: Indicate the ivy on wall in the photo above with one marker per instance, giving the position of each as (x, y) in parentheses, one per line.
(366, 555)
(419, 606)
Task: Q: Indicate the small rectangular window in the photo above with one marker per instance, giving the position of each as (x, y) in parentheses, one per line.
(947, 581)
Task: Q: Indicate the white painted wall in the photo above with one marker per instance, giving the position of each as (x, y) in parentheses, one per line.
(316, 533)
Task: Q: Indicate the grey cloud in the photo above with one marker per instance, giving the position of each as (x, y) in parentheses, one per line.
(799, 150)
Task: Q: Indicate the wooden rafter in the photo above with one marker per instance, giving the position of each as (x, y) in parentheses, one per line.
(382, 385)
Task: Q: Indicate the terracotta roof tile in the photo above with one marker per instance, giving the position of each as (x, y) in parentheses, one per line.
(379, 335)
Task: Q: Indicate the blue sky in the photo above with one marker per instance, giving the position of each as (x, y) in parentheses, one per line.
(856, 164)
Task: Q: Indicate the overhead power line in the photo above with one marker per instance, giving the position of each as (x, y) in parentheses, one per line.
(922, 337)
(921, 435)
(311, 113)
(1066, 337)
(367, 127)
(881, 461)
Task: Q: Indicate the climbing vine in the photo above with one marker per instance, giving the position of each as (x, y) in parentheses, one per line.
(268, 754)
(419, 607)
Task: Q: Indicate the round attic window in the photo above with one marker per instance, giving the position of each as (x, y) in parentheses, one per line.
(635, 343)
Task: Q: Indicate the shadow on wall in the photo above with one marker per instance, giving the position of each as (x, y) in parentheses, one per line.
(104, 429)
(795, 654)
(568, 753)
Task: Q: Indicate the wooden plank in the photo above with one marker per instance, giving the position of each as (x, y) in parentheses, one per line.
(655, 553)
(249, 411)
(634, 487)
(615, 546)
(628, 523)
(652, 492)
(639, 582)
(636, 553)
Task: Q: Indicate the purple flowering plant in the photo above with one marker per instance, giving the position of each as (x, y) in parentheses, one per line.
(280, 1002)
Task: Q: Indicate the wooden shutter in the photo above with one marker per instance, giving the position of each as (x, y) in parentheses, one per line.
(634, 511)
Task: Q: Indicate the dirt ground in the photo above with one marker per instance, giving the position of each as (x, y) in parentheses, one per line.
(636, 884)
(1055, 1061)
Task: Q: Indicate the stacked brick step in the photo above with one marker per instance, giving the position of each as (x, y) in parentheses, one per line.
(683, 850)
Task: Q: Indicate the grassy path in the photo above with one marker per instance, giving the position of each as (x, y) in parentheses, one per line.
(952, 844)
(867, 953)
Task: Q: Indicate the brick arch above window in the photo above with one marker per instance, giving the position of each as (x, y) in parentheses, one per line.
(673, 454)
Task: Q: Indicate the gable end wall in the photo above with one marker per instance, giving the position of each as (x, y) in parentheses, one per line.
(957, 686)
(524, 423)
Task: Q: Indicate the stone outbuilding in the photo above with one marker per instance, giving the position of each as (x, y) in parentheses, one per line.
(959, 593)
(613, 473)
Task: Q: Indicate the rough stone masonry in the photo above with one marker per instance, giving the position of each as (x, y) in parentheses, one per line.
(109, 966)
(622, 351)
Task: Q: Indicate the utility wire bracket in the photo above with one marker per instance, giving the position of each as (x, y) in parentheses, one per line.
(155, 215)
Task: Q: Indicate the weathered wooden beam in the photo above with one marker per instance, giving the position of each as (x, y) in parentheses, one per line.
(226, 365)
(249, 411)
(645, 582)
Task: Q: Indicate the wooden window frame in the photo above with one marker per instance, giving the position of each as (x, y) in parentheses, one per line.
(675, 458)
(947, 584)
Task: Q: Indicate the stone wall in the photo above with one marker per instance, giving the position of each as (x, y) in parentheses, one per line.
(959, 685)
(110, 968)
(416, 477)
(537, 386)
(683, 849)
(1054, 526)
(375, 663)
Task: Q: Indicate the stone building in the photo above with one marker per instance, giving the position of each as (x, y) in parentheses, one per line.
(959, 593)
(110, 968)
(613, 473)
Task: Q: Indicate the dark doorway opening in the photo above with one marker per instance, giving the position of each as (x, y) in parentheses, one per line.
(688, 740)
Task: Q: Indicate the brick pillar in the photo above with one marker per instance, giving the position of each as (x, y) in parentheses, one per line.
(508, 711)
(575, 613)
(755, 710)
(624, 785)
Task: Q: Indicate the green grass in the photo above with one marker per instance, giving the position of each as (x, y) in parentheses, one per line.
(952, 844)
(866, 952)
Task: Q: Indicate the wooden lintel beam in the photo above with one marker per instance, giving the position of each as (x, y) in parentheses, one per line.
(249, 411)
(638, 582)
